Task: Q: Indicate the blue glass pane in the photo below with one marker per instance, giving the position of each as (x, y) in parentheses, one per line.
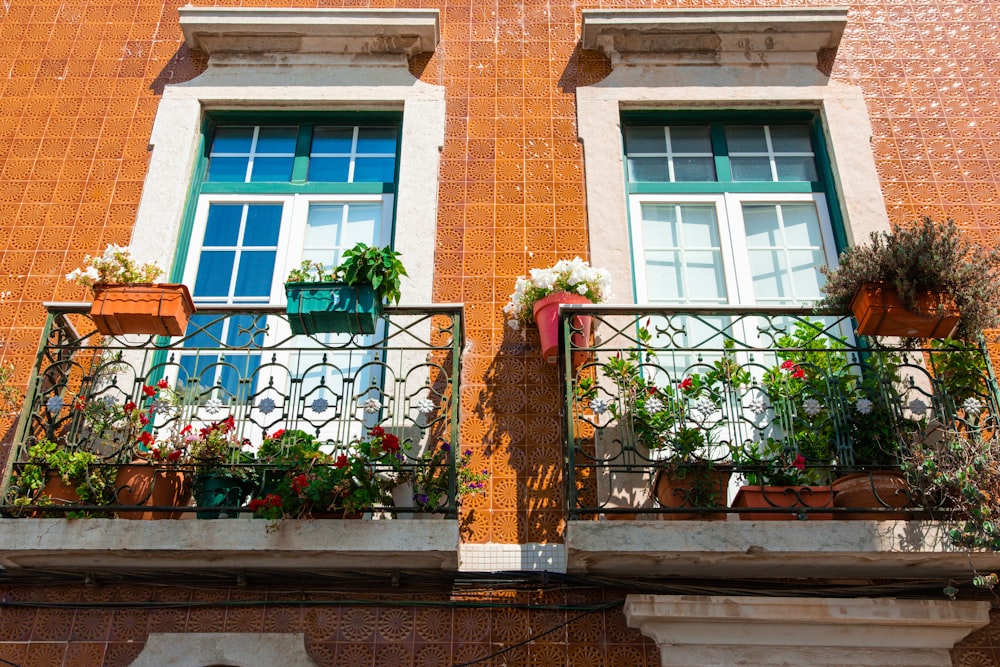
(246, 331)
(198, 371)
(255, 272)
(332, 139)
(232, 140)
(223, 224)
(271, 169)
(376, 140)
(277, 139)
(215, 269)
(329, 170)
(377, 170)
(204, 331)
(235, 368)
(227, 169)
(263, 225)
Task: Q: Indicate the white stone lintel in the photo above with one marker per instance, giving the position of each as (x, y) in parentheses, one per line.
(711, 631)
(216, 30)
(746, 36)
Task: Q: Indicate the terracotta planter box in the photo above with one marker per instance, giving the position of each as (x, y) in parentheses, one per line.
(332, 307)
(879, 313)
(786, 497)
(693, 487)
(879, 489)
(161, 309)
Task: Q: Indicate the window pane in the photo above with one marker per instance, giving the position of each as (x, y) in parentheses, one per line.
(690, 139)
(256, 271)
(705, 281)
(263, 225)
(329, 169)
(374, 170)
(376, 140)
(791, 139)
(663, 276)
(770, 280)
(323, 227)
(645, 139)
(244, 330)
(761, 223)
(648, 169)
(203, 331)
(362, 224)
(332, 139)
(215, 268)
(271, 169)
(659, 226)
(227, 169)
(277, 139)
(223, 224)
(232, 140)
(687, 169)
(746, 139)
(801, 225)
(796, 168)
(751, 168)
(806, 277)
(701, 228)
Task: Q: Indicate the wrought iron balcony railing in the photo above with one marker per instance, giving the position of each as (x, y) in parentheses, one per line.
(318, 421)
(732, 399)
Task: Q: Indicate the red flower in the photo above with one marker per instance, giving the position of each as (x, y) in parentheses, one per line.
(187, 429)
(798, 372)
(377, 432)
(686, 384)
(272, 500)
(149, 390)
(390, 443)
(788, 364)
(130, 406)
(256, 504)
(229, 423)
(799, 462)
(163, 384)
(143, 419)
(79, 404)
(174, 456)
(341, 462)
(300, 483)
(146, 438)
(277, 434)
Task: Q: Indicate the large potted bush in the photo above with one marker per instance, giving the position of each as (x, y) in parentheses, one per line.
(127, 300)
(348, 298)
(537, 297)
(223, 472)
(925, 280)
(58, 475)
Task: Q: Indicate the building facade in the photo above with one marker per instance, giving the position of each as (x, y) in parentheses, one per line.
(231, 141)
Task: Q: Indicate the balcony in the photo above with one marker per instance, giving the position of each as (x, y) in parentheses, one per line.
(347, 439)
(753, 443)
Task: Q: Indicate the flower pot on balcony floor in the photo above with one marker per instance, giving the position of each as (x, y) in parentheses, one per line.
(332, 307)
(154, 308)
(140, 484)
(879, 489)
(696, 487)
(546, 311)
(788, 498)
(879, 312)
(220, 490)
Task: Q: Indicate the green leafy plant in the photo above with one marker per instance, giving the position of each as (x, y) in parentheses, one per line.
(116, 265)
(93, 483)
(11, 395)
(926, 255)
(216, 449)
(311, 272)
(432, 480)
(379, 267)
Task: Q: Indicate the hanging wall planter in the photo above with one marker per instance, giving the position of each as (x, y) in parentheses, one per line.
(332, 307)
(879, 312)
(152, 308)
(546, 312)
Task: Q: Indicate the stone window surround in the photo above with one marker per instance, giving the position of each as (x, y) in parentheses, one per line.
(302, 59)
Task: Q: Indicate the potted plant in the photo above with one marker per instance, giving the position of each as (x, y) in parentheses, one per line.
(781, 480)
(917, 281)
(56, 475)
(126, 299)
(536, 299)
(223, 476)
(348, 298)
(427, 485)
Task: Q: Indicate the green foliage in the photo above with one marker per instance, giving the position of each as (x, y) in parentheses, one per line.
(93, 483)
(218, 450)
(379, 267)
(311, 272)
(432, 478)
(11, 396)
(924, 256)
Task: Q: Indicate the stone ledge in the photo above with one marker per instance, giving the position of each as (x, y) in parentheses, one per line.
(768, 549)
(214, 30)
(228, 544)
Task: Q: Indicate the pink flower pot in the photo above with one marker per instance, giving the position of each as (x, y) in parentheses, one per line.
(547, 318)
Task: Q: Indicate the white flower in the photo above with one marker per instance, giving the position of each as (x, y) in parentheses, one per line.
(425, 406)
(372, 406)
(266, 405)
(653, 404)
(320, 405)
(758, 405)
(599, 406)
(161, 406)
(213, 406)
(812, 407)
(514, 324)
(972, 406)
(581, 288)
(54, 404)
(918, 407)
(864, 406)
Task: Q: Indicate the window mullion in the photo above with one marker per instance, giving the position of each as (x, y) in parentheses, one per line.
(720, 150)
(303, 145)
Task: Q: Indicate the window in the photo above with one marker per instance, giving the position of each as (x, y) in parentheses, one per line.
(727, 212)
(270, 196)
